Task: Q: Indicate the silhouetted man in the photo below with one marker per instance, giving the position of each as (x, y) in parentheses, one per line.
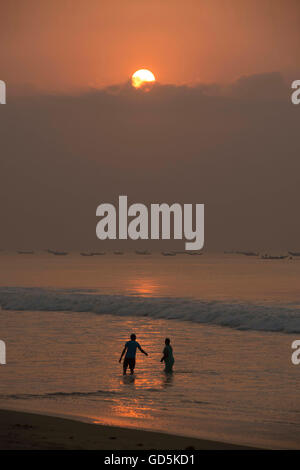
(130, 349)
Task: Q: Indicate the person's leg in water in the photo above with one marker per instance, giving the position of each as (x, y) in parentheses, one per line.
(125, 365)
(169, 365)
(132, 366)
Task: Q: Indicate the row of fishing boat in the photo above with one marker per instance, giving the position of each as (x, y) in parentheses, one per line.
(264, 256)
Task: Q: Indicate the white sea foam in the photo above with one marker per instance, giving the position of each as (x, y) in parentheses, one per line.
(237, 315)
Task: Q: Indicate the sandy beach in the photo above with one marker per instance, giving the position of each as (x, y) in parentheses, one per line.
(27, 431)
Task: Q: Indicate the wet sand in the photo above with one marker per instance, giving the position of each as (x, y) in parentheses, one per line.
(19, 430)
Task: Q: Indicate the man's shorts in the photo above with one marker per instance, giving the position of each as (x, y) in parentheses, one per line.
(128, 361)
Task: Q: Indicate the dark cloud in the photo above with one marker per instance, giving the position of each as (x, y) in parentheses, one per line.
(264, 87)
(234, 148)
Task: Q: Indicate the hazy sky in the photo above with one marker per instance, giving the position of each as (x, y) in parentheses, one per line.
(236, 152)
(66, 44)
(230, 141)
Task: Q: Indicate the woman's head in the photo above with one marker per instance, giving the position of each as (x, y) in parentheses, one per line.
(167, 341)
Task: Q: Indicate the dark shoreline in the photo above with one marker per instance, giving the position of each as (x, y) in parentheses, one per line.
(28, 431)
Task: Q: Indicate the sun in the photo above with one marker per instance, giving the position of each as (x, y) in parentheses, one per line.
(142, 77)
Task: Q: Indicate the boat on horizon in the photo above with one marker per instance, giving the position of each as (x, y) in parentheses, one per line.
(273, 257)
(57, 253)
(239, 252)
(142, 252)
(86, 254)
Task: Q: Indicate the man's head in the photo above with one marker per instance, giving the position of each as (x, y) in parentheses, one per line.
(133, 337)
(167, 341)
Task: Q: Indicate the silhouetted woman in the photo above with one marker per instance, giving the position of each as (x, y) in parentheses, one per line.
(168, 357)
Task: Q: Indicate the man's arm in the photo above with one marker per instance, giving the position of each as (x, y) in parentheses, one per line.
(144, 352)
(123, 352)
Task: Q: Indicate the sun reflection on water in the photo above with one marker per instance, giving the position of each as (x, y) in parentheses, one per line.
(144, 287)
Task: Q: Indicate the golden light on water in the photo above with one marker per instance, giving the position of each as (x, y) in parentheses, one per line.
(144, 287)
(142, 77)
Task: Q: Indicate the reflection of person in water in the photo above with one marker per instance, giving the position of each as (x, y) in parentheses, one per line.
(168, 357)
(130, 349)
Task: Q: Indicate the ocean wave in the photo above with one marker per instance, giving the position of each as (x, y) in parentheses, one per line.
(236, 315)
(29, 396)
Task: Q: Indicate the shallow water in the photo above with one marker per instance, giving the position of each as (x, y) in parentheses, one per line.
(227, 385)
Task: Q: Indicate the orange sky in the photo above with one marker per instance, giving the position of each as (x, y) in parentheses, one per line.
(234, 148)
(62, 45)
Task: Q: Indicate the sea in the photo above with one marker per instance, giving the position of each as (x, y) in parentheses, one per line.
(231, 320)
